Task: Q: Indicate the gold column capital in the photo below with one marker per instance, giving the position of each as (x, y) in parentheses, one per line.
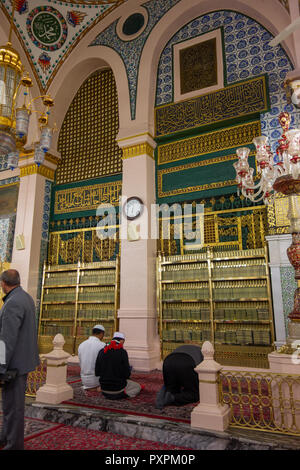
(140, 144)
(136, 150)
(33, 169)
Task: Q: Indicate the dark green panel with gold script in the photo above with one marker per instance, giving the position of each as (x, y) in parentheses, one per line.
(235, 101)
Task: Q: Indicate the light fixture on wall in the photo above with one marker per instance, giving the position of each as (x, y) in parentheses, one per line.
(14, 119)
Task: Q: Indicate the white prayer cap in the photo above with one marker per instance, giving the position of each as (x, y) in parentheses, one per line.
(119, 335)
(99, 327)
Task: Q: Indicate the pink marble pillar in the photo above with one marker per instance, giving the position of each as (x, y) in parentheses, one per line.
(28, 229)
(137, 314)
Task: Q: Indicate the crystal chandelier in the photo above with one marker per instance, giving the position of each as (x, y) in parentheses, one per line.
(14, 120)
(275, 172)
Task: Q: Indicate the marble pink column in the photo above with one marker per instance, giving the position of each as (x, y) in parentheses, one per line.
(137, 314)
(29, 217)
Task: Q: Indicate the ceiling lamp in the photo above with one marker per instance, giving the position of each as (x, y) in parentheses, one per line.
(14, 121)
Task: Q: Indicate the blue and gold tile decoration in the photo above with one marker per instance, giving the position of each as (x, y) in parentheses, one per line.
(44, 240)
(247, 55)
(288, 286)
(50, 30)
(3, 163)
(130, 51)
(14, 179)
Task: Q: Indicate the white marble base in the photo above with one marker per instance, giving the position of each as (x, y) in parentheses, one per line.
(54, 394)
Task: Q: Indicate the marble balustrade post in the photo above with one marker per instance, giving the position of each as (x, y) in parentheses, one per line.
(210, 413)
(56, 388)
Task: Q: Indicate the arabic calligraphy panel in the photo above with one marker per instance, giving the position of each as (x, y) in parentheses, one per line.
(234, 101)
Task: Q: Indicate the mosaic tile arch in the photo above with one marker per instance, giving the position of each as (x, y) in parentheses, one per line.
(50, 30)
(247, 55)
(131, 55)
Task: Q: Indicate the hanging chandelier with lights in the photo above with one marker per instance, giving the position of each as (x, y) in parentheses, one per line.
(14, 119)
(275, 172)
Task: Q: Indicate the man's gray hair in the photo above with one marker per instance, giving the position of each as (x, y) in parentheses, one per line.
(10, 277)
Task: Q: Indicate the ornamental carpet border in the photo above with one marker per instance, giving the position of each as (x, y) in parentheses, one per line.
(86, 198)
(227, 138)
(233, 101)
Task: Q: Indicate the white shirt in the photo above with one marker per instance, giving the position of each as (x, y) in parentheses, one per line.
(87, 353)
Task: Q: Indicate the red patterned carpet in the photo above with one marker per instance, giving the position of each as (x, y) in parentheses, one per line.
(43, 435)
(71, 438)
(142, 405)
(253, 404)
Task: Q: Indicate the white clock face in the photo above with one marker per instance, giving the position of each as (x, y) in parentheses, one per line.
(133, 208)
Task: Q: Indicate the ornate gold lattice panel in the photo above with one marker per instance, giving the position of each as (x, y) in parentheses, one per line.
(87, 140)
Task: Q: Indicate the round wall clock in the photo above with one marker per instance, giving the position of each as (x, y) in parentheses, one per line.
(47, 28)
(133, 207)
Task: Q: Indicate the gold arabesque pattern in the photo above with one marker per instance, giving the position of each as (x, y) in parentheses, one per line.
(87, 140)
(135, 150)
(210, 142)
(36, 379)
(79, 247)
(262, 401)
(278, 220)
(217, 228)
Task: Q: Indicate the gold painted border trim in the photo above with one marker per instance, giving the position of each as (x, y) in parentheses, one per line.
(17, 183)
(134, 136)
(26, 155)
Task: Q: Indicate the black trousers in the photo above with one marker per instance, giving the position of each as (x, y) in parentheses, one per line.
(180, 378)
(13, 407)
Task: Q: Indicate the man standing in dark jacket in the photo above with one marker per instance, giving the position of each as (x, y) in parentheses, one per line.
(18, 338)
(113, 369)
(181, 383)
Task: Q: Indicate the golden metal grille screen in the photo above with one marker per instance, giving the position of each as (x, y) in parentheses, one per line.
(87, 140)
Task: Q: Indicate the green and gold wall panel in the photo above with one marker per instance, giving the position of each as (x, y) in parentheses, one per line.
(209, 142)
(86, 198)
(81, 199)
(200, 179)
(233, 102)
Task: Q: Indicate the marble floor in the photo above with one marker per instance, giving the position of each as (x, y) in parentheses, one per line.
(163, 431)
